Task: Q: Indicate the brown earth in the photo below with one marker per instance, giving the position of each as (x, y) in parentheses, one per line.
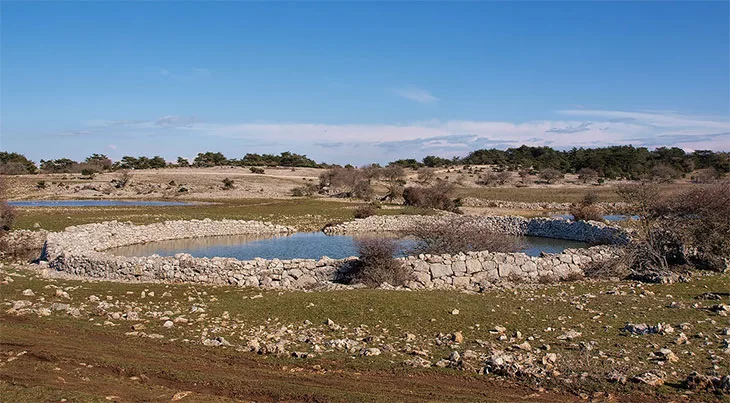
(80, 363)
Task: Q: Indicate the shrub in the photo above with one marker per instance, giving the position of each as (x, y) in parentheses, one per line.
(690, 227)
(227, 184)
(551, 175)
(7, 212)
(88, 172)
(664, 173)
(586, 175)
(587, 210)
(376, 264)
(305, 191)
(256, 170)
(459, 235)
(439, 196)
(426, 175)
(41, 184)
(364, 211)
(122, 179)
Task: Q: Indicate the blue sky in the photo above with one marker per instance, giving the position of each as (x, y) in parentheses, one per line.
(360, 82)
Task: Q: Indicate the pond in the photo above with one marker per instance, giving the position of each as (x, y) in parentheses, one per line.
(94, 203)
(609, 217)
(302, 245)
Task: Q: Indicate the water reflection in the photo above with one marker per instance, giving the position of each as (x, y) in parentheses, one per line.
(303, 245)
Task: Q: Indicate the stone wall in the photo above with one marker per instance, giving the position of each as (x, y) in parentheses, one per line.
(80, 251)
(558, 228)
(552, 206)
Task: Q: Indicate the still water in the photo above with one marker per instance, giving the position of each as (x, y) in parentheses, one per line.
(302, 245)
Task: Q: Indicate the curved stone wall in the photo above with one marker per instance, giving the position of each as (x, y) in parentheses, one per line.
(559, 228)
(80, 251)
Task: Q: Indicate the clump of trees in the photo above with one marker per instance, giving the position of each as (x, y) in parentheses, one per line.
(458, 235)
(16, 164)
(438, 196)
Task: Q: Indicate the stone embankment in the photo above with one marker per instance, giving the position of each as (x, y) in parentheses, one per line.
(551, 206)
(82, 251)
(558, 228)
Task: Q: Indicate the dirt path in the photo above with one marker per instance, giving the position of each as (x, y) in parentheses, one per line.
(65, 360)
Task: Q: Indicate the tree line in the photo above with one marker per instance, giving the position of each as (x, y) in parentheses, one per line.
(607, 162)
(610, 162)
(12, 163)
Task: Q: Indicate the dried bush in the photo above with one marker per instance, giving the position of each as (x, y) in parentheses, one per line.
(459, 235)
(305, 191)
(690, 227)
(440, 196)
(227, 184)
(256, 170)
(377, 265)
(346, 182)
(426, 175)
(586, 175)
(364, 211)
(122, 180)
(587, 210)
(551, 175)
(7, 212)
(664, 173)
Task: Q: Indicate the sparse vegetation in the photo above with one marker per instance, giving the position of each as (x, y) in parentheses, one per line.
(587, 210)
(257, 170)
(377, 264)
(459, 235)
(122, 180)
(439, 196)
(228, 184)
(364, 211)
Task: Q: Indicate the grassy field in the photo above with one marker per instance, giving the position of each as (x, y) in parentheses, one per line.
(304, 214)
(567, 194)
(96, 355)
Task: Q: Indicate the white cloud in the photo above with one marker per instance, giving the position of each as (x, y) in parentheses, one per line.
(381, 142)
(417, 94)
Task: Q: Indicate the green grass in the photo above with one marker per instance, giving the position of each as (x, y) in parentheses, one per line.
(304, 214)
(589, 307)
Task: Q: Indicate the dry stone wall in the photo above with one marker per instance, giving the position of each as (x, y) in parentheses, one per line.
(82, 251)
(558, 228)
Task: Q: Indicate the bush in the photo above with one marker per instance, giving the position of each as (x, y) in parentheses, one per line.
(439, 196)
(364, 211)
(586, 175)
(551, 175)
(257, 170)
(690, 227)
(459, 235)
(227, 184)
(377, 265)
(7, 212)
(41, 184)
(122, 180)
(88, 172)
(304, 191)
(587, 210)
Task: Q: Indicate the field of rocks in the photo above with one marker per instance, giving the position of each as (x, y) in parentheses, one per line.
(597, 340)
(72, 339)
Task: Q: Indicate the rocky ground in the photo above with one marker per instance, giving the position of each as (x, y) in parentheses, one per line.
(595, 340)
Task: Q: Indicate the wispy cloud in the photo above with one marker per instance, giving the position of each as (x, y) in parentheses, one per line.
(585, 126)
(417, 95)
(360, 143)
